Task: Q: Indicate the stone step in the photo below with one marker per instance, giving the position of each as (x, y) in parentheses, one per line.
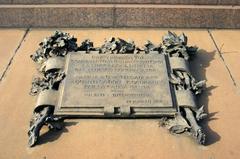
(120, 15)
(185, 2)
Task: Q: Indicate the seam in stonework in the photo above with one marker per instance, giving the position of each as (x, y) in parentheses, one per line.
(15, 52)
(220, 54)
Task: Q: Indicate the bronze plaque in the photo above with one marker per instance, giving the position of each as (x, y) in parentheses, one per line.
(116, 85)
(116, 80)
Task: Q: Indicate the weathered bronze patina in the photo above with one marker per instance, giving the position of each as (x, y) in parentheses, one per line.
(117, 85)
(117, 80)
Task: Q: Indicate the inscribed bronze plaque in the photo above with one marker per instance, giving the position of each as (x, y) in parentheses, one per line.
(115, 85)
(116, 80)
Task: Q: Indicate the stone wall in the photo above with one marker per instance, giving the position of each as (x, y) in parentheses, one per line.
(121, 13)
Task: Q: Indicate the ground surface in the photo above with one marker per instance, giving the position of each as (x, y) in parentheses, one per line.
(122, 138)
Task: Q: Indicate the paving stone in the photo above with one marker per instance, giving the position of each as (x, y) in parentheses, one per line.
(9, 41)
(228, 41)
(94, 138)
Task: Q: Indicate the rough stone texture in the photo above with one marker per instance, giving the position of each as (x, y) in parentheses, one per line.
(236, 18)
(109, 15)
(37, 16)
(201, 2)
(9, 41)
(94, 138)
(228, 42)
(176, 17)
(229, 2)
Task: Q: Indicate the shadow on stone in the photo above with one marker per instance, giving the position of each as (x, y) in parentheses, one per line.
(53, 135)
(199, 64)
